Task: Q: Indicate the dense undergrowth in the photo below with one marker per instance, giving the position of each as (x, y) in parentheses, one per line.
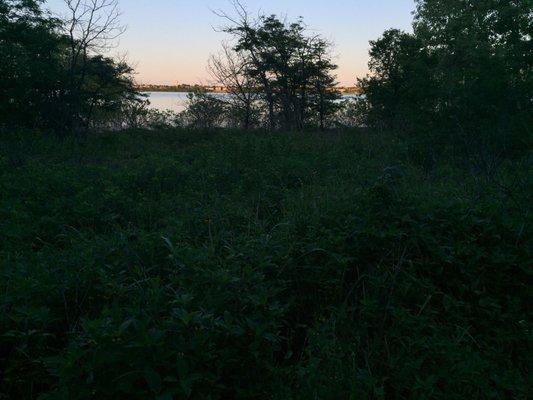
(177, 264)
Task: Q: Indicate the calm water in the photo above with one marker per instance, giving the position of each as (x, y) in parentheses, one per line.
(175, 101)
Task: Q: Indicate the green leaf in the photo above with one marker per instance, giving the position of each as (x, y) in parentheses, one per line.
(153, 379)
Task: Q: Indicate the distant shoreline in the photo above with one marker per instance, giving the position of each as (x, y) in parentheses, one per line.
(215, 89)
(181, 89)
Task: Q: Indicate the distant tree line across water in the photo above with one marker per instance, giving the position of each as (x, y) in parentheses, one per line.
(187, 88)
(181, 88)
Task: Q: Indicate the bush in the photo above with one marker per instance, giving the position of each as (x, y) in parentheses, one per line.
(205, 111)
(178, 264)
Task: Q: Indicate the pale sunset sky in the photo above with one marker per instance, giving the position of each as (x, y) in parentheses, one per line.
(169, 41)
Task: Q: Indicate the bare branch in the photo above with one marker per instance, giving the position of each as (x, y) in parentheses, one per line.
(93, 26)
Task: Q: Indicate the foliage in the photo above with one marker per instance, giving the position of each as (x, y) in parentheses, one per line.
(30, 71)
(465, 73)
(291, 69)
(229, 69)
(351, 112)
(205, 110)
(135, 114)
(41, 86)
(190, 264)
(201, 264)
(396, 99)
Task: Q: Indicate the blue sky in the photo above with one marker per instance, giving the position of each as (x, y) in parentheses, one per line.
(170, 40)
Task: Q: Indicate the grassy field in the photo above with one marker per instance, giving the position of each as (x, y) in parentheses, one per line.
(177, 264)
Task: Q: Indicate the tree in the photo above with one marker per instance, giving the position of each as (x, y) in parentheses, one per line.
(484, 62)
(399, 87)
(53, 74)
(291, 70)
(322, 81)
(229, 69)
(465, 73)
(205, 111)
(31, 70)
(107, 88)
(91, 29)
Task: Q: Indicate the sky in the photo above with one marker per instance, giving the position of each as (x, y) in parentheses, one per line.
(170, 41)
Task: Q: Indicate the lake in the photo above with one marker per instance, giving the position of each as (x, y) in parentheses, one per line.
(177, 101)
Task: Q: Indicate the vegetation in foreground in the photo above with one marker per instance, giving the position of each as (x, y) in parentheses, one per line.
(177, 264)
